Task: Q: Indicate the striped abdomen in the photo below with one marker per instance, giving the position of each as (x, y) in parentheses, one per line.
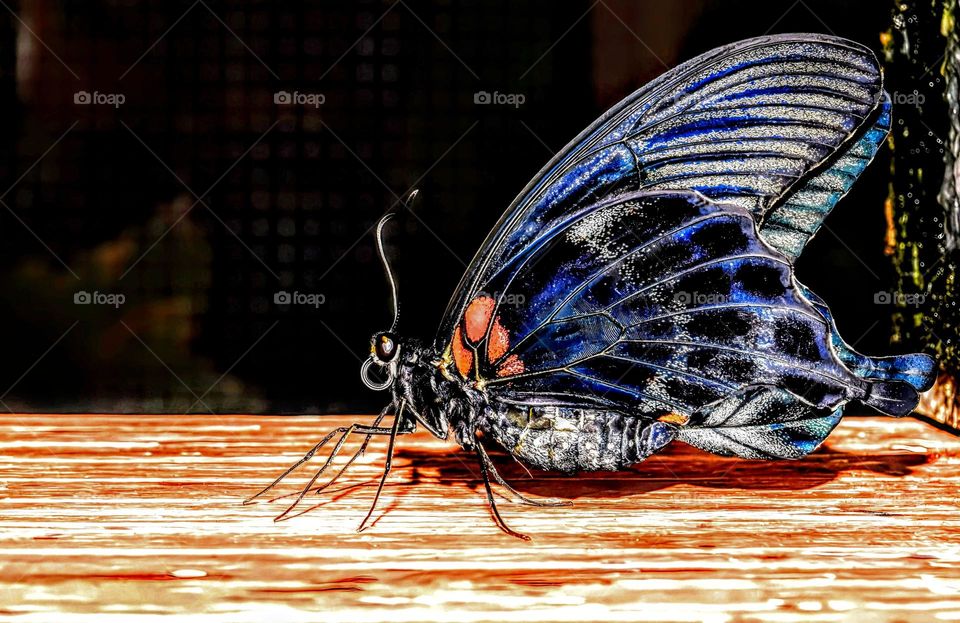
(570, 439)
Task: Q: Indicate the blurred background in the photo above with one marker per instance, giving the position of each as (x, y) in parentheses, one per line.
(171, 170)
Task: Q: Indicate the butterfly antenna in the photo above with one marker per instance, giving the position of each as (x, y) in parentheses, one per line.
(383, 256)
(386, 267)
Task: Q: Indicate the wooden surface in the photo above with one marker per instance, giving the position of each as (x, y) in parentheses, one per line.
(127, 518)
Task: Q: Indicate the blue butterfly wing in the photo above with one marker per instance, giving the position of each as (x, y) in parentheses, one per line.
(658, 302)
(664, 303)
(647, 268)
(780, 125)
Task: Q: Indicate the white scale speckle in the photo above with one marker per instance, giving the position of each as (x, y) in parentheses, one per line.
(593, 231)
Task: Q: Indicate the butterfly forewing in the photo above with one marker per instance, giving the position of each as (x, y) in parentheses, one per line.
(753, 123)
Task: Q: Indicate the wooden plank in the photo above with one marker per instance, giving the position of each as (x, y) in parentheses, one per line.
(128, 518)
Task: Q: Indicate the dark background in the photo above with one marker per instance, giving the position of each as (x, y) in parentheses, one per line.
(199, 198)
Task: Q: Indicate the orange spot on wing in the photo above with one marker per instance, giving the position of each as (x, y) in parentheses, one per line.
(462, 356)
(477, 317)
(511, 366)
(476, 320)
(499, 342)
(674, 418)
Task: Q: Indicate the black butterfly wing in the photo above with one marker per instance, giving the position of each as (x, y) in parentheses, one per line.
(780, 125)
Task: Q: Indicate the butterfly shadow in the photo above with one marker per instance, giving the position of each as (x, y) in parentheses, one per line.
(675, 466)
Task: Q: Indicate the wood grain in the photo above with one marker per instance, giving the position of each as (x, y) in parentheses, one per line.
(129, 518)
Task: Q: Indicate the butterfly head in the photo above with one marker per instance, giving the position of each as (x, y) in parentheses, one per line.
(385, 347)
(384, 354)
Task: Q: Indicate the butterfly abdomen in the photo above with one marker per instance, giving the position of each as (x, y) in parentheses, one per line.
(570, 439)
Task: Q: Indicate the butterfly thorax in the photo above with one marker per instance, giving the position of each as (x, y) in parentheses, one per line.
(443, 403)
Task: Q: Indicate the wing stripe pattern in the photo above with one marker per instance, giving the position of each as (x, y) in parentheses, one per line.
(789, 225)
(618, 309)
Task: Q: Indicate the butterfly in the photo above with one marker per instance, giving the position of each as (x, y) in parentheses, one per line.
(640, 290)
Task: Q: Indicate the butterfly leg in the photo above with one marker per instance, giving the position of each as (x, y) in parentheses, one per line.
(356, 455)
(394, 431)
(344, 432)
(306, 488)
(484, 472)
(485, 459)
(353, 428)
(306, 457)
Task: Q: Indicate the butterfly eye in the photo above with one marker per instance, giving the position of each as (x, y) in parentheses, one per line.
(385, 347)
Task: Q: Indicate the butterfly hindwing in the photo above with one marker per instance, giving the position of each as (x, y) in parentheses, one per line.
(760, 422)
(656, 302)
(919, 371)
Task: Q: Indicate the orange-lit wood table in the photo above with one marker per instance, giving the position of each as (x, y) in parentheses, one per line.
(107, 517)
